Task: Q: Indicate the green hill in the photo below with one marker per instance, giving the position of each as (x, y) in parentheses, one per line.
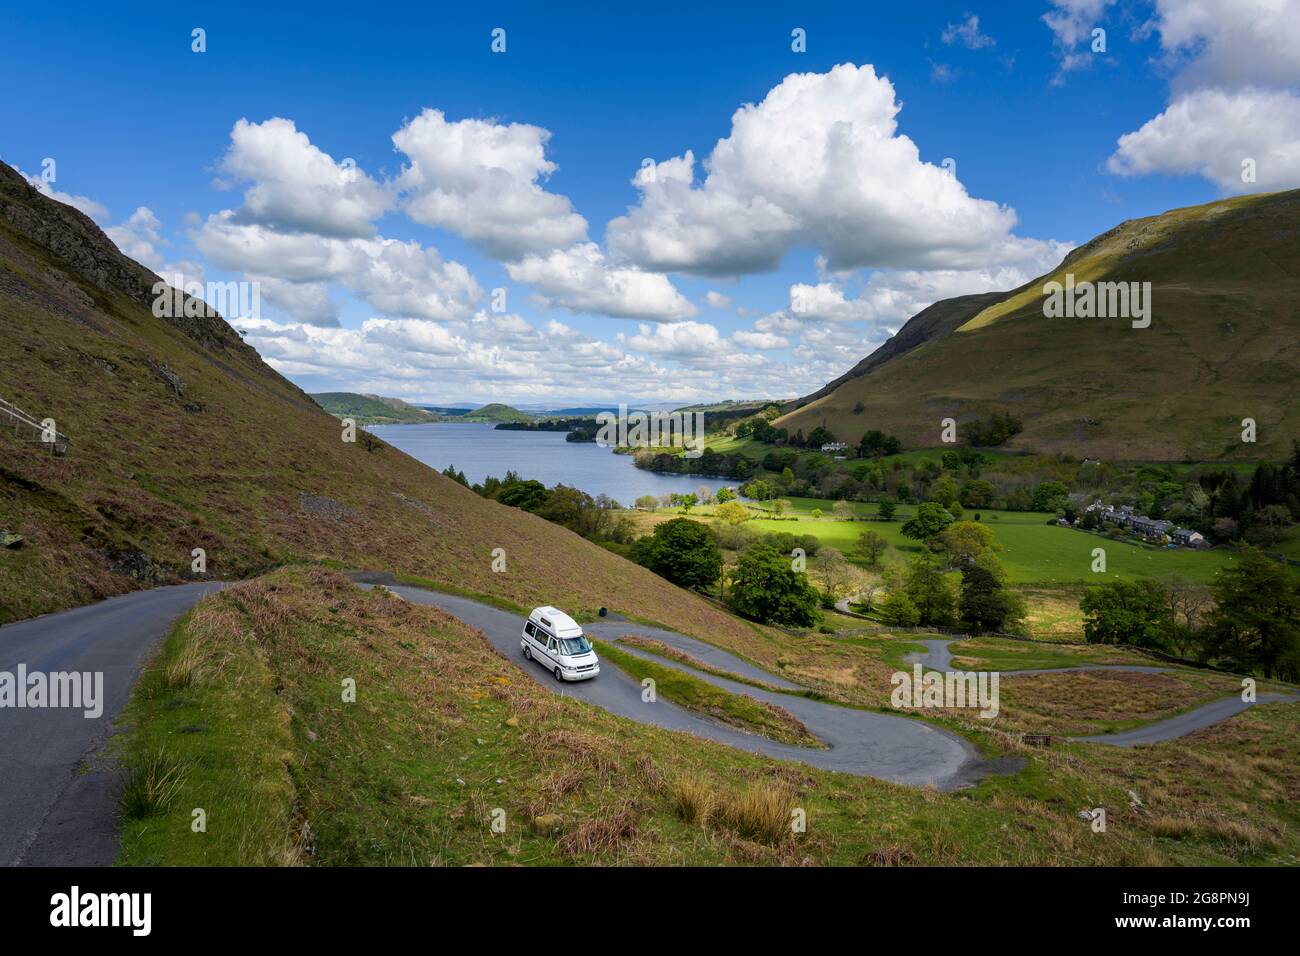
(496, 412)
(372, 409)
(1223, 345)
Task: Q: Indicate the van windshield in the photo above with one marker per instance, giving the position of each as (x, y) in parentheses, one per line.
(574, 645)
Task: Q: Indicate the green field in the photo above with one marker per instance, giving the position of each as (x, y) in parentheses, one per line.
(1033, 552)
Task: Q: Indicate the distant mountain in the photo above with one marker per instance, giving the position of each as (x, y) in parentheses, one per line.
(372, 409)
(1223, 345)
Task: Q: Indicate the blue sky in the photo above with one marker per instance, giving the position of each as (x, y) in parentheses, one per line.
(134, 118)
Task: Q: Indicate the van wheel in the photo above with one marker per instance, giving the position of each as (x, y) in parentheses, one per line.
(559, 676)
(528, 654)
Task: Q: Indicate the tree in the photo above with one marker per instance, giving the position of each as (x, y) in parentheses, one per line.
(779, 506)
(963, 541)
(766, 588)
(704, 494)
(732, 513)
(978, 493)
(1051, 496)
(1186, 605)
(843, 509)
(1125, 612)
(931, 591)
(870, 547)
(1255, 624)
(820, 436)
(647, 503)
(725, 494)
(575, 510)
(887, 509)
(930, 519)
(834, 574)
(528, 494)
(683, 551)
(985, 603)
(944, 491)
(898, 610)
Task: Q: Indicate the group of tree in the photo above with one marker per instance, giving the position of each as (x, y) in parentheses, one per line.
(592, 517)
(927, 592)
(990, 432)
(1248, 620)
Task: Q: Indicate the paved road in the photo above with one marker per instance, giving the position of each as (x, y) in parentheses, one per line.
(860, 742)
(938, 656)
(52, 812)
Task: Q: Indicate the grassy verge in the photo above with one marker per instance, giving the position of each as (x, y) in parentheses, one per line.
(674, 654)
(242, 711)
(700, 697)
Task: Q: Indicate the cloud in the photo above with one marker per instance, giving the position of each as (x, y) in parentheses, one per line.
(716, 300)
(891, 297)
(818, 162)
(480, 179)
(84, 204)
(967, 33)
(1212, 132)
(581, 279)
(395, 277)
(138, 237)
(503, 357)
(1236, 66)
(296, 186)
(1072, 23)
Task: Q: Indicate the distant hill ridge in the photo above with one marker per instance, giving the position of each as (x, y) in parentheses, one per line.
(1223, 345)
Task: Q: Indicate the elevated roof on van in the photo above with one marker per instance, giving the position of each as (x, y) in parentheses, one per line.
(555, 621)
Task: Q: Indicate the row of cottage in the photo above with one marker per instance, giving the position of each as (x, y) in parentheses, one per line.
(1124, 517)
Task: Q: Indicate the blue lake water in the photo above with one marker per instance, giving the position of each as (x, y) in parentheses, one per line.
(481, 450)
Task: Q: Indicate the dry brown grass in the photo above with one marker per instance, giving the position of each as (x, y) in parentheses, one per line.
(695, 799)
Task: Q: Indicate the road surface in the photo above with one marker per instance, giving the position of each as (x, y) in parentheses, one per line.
(52, 811)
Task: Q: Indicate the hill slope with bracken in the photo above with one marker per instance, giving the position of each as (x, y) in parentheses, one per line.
(1223, 344)
(183, 438)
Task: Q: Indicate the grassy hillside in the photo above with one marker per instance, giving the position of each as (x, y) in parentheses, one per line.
(1223, 345)
(183, 438)
(372, 409)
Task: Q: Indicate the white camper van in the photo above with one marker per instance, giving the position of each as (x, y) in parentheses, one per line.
(555, 640)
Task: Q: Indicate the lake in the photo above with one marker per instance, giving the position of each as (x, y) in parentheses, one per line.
(480, 450)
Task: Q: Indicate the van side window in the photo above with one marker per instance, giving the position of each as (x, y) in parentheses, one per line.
(530, 630)
(550, 644)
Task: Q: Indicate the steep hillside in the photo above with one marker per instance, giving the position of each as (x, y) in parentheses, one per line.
(182, 438)
(1223, 344)
(372, 409)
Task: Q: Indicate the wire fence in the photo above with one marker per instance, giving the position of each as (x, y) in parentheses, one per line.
(28, 428)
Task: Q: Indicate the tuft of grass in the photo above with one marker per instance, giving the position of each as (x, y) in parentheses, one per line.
(759, 812)
(695, 799)
(150, 784)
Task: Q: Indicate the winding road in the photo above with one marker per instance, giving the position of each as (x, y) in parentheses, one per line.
(860, 742)
(58, 803)
(938, 656)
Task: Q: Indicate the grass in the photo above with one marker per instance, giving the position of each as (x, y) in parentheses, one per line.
(700, 697)
(1033, 552)
(444, 732)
